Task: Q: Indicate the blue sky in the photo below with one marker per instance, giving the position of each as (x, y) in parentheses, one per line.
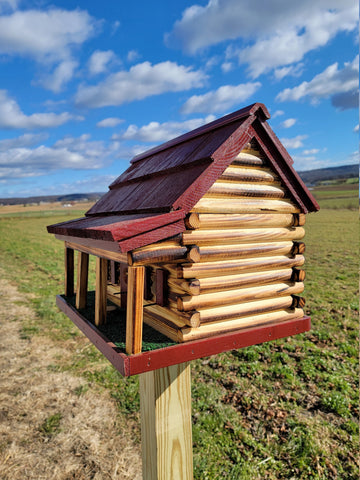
(85, 87)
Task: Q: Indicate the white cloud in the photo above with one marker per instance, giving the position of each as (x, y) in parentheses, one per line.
(296, 142)
(278, 113)
(62, 74)
(99, 61)
(227, 67)
(332, 82)
(133, 55)
(292, 70)
(50, 37)
(289, 122)
(141, 81)
(26, 140)
(12, 117)
(221, 99)
(356, 129)
(69, 153)
(281, 35)
(8, 5)
(109, 122)
(161, 132)
(311, 151)
(44, 35)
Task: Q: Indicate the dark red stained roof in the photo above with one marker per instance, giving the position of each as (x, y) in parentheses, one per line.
(149, 201)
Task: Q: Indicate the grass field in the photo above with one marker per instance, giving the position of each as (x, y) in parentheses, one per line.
(283, 410)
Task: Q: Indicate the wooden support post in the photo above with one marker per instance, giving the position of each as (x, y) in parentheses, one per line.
(69, 272)
(100, 291)
(123, 284)
(82, 280)
(134, 309)
(165, 403)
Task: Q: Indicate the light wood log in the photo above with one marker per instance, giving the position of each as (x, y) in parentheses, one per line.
(298, 248)
(244, 205)
(174, 319)
(161, 325)
(157, 253)
(253, 175)
(245, 250)
(298, 302)
(134, 310)
(100, 291)
(300, 219)
(245, 309)
(98, 252)
(114, 294)
(226, 189)
(241, 235)
(232, 220)
(247, 157)
(165, 404)
(229, 282)
(228, 297)
(298, 275)
(217, 328)
(82, 280)
(69, 271)
(233, 267)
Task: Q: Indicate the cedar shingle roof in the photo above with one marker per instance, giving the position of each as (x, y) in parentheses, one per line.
(149, 201)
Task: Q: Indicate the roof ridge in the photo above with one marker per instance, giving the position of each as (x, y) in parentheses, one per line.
(220, 122)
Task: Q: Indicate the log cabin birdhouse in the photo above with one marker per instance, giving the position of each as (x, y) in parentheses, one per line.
(200, 239)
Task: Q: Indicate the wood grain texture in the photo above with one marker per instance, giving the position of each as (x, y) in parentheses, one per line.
(208, 300)
(166, 430)
(238, 236)
(69, 271)
(250, 175)
(134, 309)
(82, 280)
(245, 309)
(98, 252)
(229, 282)
(217, 328)
(233, 267)
(161, 252)
(238, 190)
(236, 205)
(246, 250)
(100, 291)
(232, 220)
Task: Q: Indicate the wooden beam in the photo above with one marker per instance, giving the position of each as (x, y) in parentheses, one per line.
(100, 291)
(82, 280)
(134, 309)
(242, 205)
(165, 403)
(69, 271)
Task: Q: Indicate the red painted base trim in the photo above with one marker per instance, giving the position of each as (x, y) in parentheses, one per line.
(183, 352)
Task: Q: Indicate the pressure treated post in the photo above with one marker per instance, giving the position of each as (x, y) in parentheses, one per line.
(165, 403)
(100, 291)
(82, 280)
(134, 309)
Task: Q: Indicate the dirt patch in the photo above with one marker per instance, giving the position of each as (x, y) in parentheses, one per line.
(52, 424)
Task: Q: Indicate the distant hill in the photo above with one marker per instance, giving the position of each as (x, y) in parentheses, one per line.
(312, 177)
(71, 197)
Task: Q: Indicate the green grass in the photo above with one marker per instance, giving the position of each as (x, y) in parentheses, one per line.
(282, 410)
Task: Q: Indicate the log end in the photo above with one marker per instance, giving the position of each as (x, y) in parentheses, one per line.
(194, 254)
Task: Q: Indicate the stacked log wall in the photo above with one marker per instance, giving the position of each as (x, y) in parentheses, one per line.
(239, 261)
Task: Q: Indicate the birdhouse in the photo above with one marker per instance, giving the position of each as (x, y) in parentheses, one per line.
(200, 239)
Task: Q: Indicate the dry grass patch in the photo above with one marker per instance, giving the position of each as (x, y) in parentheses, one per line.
(54, 425)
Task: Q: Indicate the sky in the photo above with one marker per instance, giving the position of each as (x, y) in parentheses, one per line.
(85, 86)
